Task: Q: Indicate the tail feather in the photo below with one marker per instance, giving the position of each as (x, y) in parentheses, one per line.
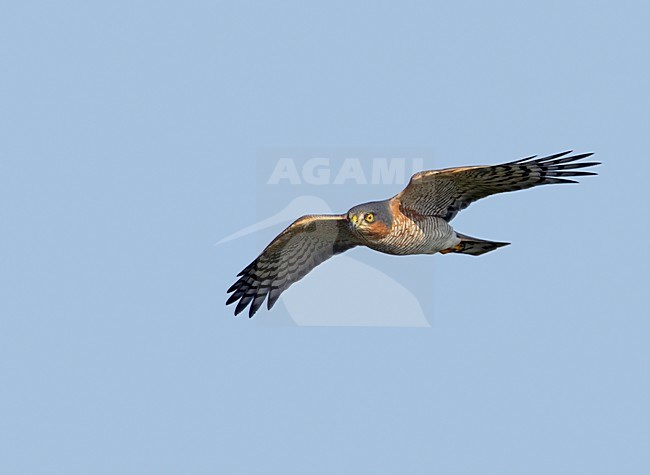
(475, 247)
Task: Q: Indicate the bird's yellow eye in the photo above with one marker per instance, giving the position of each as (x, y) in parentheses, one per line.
(370, 217)
(355, 218)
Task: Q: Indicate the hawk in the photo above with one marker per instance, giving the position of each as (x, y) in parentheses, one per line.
(415, 221)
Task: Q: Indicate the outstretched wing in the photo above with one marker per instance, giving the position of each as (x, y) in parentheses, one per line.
(445, 192)
(309, 241)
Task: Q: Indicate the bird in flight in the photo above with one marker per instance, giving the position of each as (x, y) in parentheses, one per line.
(415, 221)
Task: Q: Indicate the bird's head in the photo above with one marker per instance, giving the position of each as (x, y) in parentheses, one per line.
(372, 220)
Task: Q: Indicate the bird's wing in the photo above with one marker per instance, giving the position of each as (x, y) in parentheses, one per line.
(445, 192)
(306, 243)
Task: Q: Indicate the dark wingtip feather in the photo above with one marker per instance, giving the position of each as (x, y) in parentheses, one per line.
(577, 173)
(243, 302)
(257, 302)
(523, 160)
(582, 155)
(246, 269)
(559, 181)
(555, 157)
(558, 155)
(274, 295)
(558, 167)
(232, 299)
(572, 166)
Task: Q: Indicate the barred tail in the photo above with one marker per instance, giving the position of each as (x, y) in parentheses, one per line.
(475, 247)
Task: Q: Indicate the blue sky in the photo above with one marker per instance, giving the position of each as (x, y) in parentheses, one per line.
(131, 140)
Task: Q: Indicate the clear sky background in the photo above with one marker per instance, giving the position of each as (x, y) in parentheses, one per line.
(128, 141)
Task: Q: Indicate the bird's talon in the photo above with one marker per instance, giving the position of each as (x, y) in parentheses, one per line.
(457, 248)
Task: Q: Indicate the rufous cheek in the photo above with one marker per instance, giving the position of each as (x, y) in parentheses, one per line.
(377, 230)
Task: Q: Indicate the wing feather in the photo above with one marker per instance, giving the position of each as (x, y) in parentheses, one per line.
(305, 244)
(446, 192)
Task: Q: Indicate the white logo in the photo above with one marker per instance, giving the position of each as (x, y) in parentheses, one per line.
(319, 171)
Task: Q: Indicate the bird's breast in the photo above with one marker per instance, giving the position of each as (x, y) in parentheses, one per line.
(406, 235)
